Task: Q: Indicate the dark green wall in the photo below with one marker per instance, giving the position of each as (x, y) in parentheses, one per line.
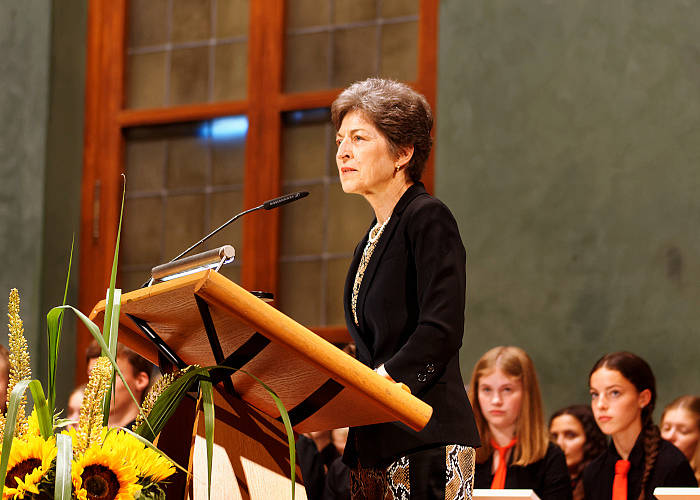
(568, 143)
(24, 89)
(64, 162)
(42, 61)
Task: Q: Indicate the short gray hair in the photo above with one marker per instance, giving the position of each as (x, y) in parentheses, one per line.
(400, 113)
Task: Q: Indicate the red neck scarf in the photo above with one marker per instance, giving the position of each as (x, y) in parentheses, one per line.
(499, 478)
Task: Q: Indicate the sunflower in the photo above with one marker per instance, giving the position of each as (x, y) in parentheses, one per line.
(33, 428)
(104, 474)
(30, 458)
(149, 463)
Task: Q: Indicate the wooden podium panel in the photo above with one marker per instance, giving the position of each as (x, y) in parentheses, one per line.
(321, 386)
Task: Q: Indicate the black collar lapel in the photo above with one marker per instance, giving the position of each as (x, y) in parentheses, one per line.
(383, 243)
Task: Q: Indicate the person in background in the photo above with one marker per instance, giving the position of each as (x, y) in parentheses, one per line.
(574, 430)
(638, 460)
(680, 424)
(404, 296)
(4, 377)
(137, 372)
(516, 451)
(75, 401)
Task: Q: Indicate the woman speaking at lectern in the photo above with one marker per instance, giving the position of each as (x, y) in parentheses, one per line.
(404, 297)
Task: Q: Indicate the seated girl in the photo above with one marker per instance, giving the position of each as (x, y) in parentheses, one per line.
(515, 450)
(680, 424)
(574, 430)
(638, 460)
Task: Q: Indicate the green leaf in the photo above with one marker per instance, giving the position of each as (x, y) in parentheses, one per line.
(111, 318)
(168, 401)
(95, 331)
(64, 457)
(55, 326)
(208, 407)
(112, 345)
(42, 409)
(10, 422)
(113, 276)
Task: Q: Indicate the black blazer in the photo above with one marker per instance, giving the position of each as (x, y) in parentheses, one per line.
(670, 469)
(411, 313)
(549, 477)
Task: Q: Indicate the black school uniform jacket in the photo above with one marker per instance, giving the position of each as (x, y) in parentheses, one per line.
(548, 477)
(410, 309)
(671, 469)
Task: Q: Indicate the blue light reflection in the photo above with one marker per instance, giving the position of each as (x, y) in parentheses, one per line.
(228, 128)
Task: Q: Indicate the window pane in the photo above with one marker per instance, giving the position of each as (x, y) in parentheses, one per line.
(230, 72)
(184, 52)
(146, 26)
(306, 62)
(189, 76)
(354, 55)
(232, 18)
(301, 292)
(399, 46)
(183, 180)
(191, 20)
(146, 80)
(331, 43)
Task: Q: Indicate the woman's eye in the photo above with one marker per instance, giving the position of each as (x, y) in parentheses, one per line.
(614, 393)
(357, 138)
(594, 395)
(507, 389)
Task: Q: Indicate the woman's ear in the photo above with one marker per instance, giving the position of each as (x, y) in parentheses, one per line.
(644, 398)
(404, 156)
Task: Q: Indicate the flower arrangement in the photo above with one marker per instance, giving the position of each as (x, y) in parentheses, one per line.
(105, 463)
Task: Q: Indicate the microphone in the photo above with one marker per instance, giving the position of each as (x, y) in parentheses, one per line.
(268, 205)
(283, 200)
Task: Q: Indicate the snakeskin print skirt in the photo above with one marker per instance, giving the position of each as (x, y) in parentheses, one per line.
(446, 472)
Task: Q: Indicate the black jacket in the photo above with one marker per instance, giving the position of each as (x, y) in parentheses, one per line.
(671, 469)
(411, 313)
(549, 477)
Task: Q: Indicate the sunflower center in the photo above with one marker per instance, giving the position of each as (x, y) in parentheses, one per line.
(20, 470)
(100, 482)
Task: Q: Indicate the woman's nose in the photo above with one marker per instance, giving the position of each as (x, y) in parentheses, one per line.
(343, 149)
(560, 441)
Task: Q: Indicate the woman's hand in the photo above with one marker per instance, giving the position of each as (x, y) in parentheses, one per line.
(382, 371)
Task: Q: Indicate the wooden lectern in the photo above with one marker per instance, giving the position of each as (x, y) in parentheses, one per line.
(206, 319)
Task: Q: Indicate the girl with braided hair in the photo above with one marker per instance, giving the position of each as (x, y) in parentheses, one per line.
(638, 460)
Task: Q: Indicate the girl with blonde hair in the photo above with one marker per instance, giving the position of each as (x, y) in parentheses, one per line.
(680, 424)
(516, 451)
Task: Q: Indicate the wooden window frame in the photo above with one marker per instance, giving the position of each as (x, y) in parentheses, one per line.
(106, 118)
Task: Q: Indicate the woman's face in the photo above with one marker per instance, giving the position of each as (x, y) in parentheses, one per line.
(567, 432)
(616, 403)
(680, 427)
(500, 398)
(365, 164)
